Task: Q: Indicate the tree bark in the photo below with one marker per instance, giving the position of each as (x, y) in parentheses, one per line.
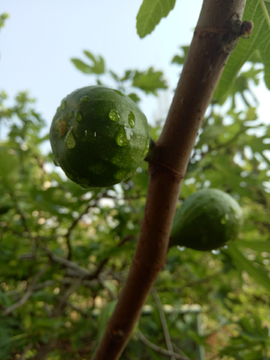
(215, 37)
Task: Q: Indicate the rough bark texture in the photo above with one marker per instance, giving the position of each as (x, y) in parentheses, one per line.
(214, 39)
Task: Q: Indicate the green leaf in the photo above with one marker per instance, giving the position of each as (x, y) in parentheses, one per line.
(98, 66)
(179, 59)
(261, 246)
(134, 97)
(104, 318)
(98, 63)
(149, 81)
(258, 273)
(3, 18)
(258, 12)
(150, 14)
(128, 75)
(82, 66)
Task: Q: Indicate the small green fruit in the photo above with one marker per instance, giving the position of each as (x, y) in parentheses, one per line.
(206, 220)
(99, 136)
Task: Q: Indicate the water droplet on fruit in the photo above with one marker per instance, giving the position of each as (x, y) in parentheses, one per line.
(129, 132)
(146, 148)
(61, 127)
(114, 115)
(225, 218)
(70, 140)
(121, 137)
(180, 248)
(97, 168)
(90, 137)
(63, 105)
(131, 119)
(119, 92)
(233, 211)
(56, 161)
(215, 252)
(122, 175)
(71, 114)
(78, 116)
(84, 98)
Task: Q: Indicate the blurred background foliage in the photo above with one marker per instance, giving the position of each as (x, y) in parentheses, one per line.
(65, 251)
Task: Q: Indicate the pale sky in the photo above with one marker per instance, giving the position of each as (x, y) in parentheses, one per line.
(40, 37)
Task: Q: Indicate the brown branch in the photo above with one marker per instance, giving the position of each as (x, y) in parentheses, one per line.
(214, 39)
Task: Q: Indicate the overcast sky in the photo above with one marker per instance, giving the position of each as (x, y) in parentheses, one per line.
(40, 37)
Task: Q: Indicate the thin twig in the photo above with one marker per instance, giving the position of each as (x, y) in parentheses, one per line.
(28, 292)
(163, 322)
(63, 299)
(158, 349)
(75, 222)
(28, 347)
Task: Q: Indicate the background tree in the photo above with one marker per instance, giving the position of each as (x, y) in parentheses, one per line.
(66, 252)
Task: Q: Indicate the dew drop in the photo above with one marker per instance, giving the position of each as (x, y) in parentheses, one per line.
(129, 132)
(78, 116)
(70, 140)
(71, 114)
(122, 175)
(224, 219)
(61, 127)
(63, 105)
(121, 137)
(146, 148)
(84, 98)
(131, 119)
(56, 161)
(89, 136)
(114, 115)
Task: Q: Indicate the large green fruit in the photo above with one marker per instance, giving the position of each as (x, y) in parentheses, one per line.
(206, 220)
(99, 136)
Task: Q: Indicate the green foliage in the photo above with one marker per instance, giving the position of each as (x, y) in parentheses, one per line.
(148, 81)
(3, 18)
(65, 252)
(150, 14)
(256, 47)
(59, 241)
(98, 66)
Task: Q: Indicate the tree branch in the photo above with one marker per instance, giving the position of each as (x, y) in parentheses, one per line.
(214, 39)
